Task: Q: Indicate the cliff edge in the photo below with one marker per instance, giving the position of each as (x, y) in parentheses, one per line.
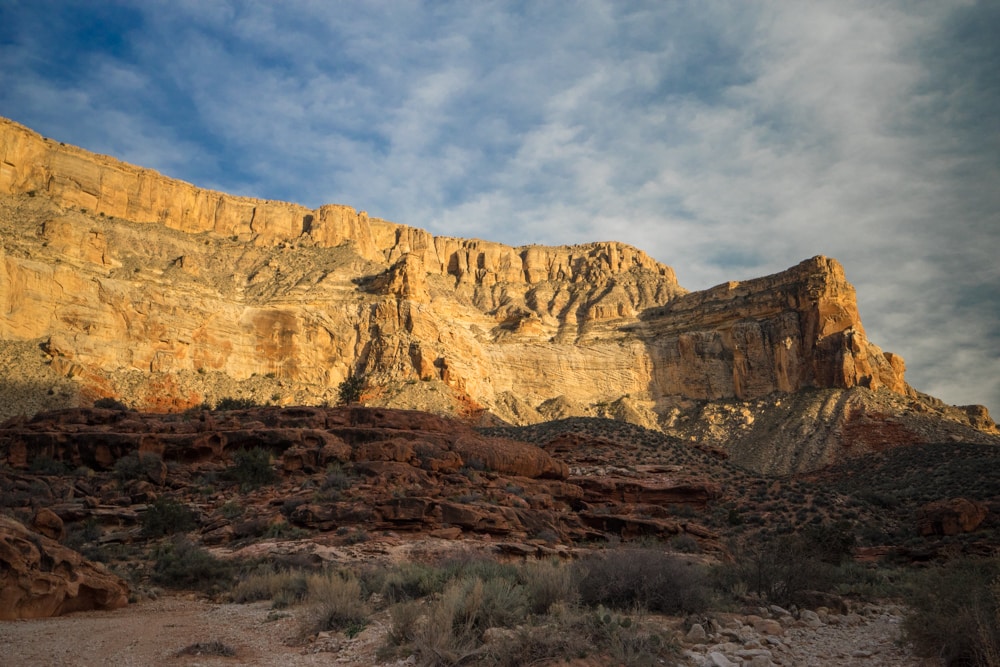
(118, 281)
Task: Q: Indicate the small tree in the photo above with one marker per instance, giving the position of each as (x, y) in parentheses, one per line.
(350, 389)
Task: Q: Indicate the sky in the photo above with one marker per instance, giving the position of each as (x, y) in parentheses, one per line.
(728, 140)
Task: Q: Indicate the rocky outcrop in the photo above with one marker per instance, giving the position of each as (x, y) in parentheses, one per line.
(950, 517)
(795, 329)
(40, 577)
(150, 290)
(336, 469)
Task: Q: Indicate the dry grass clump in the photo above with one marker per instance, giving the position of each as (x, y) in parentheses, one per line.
(283, 588)
(490, 613)
(955, 613)
(335, 602)
(214, 647)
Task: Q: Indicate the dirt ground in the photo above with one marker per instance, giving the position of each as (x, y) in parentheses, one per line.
(154, 632)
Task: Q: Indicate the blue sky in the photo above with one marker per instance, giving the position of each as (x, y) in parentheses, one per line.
(727, 139)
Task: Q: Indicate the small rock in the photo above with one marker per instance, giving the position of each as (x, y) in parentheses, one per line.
(716, 659)
(767, 626)
(696, 635)
(49, 524)
(810, 619)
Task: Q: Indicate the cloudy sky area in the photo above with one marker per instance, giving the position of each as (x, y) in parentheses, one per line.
(727, 139)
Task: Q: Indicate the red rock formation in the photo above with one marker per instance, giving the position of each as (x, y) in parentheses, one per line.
(40, 578)
(950, 517)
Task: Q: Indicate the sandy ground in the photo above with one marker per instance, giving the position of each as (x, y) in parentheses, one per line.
(152, 633)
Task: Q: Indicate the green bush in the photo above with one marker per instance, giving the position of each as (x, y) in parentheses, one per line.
(644, 578)
(183, 565)
(108, 403)
(46, 465)
(230, 403)
(955, 613)
(137, 466)
(408, 581)
(349, 391)
(252, 468)
(777, 569)
(165, 516)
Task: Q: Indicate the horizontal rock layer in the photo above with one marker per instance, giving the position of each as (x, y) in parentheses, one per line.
(149, 289)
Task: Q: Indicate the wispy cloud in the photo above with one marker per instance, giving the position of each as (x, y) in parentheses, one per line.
(728, 139)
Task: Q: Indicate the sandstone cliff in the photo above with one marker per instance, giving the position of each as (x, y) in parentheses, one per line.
(146, 288)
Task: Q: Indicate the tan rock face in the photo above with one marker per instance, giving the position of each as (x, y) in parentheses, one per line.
(165, 295)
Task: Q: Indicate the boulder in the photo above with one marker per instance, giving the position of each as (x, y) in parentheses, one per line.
(950, 517)
(40, 578)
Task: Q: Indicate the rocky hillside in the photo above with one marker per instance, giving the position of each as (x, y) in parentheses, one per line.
(116, 281)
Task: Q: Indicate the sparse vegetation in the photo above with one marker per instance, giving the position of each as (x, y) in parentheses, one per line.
(137, 466)
(645, 578)
(209, 648)
(956, 612)
(109, 403)
(335, 603)
(252, 468)
(181, 564)
(230, 403)
(349, 391)
(166, 516)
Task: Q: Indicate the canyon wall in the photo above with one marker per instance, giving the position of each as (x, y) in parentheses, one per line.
(149, 289)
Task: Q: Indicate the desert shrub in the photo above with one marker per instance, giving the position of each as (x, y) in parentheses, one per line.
(137, 466)
(626, 641)
(357, 536)
(685, 543)
(573, 632)
(644, 578)
(82, 533)
(109, 403)
(230, 403)
(282, 530)
(335, 603)
(349, 391)
(182, 564)
(284, 588)
(46, 465)
(777, 569)
(252, 468)
(408, 581)
(214, 647)
(955, 613)
(165, 516)
(232, 510)
(452, 631)
(479, 566)
(831, 543)
(337, 478)
(548, 583)
(403, 619)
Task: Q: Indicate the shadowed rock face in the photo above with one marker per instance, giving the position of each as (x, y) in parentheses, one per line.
(408, 471)
(149, 289)
(40, 577)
